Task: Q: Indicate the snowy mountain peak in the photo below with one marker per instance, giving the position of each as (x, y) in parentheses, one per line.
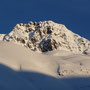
(47, 36)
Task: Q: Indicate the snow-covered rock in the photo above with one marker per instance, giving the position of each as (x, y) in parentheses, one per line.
(2, 36)
(47, 36)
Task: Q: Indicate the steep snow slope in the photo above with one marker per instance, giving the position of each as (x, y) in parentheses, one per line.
(47, 36)
(22, 69)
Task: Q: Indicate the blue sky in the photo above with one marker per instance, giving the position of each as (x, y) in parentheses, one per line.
(75, 14)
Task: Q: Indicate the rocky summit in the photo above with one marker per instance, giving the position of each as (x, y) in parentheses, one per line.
(47, 36)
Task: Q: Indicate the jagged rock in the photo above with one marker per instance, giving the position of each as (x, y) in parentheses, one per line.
(47, 36)
(87, 51)
(49, 45)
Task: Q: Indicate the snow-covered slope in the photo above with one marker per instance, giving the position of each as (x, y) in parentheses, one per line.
(59, 64)
(22, 69)
(47, 36)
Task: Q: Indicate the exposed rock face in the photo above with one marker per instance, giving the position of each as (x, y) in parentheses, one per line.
(47, 36)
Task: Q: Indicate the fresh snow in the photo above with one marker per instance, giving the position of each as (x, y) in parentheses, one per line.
(44, 56)
(2, 37)
(22, 69)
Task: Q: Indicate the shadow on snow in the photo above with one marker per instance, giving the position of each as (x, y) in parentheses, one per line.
(23, 80)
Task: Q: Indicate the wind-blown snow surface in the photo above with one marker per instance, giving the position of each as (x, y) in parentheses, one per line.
(22, 69)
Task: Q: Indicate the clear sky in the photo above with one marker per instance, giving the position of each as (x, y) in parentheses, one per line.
(75, 14)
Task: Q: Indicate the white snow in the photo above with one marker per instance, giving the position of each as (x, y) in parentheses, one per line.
(47, 36)
(2, 37)
(22, 69)
(62, 60)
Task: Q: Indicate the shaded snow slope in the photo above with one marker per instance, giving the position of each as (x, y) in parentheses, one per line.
(22, 69)
(47, 36)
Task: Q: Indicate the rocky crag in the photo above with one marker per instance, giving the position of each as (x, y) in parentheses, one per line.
(47, 36)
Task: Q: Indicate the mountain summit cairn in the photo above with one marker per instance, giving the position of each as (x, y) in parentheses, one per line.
(47, 36)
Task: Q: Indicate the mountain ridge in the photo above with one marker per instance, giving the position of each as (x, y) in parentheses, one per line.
(21, 68)
(47, 36)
